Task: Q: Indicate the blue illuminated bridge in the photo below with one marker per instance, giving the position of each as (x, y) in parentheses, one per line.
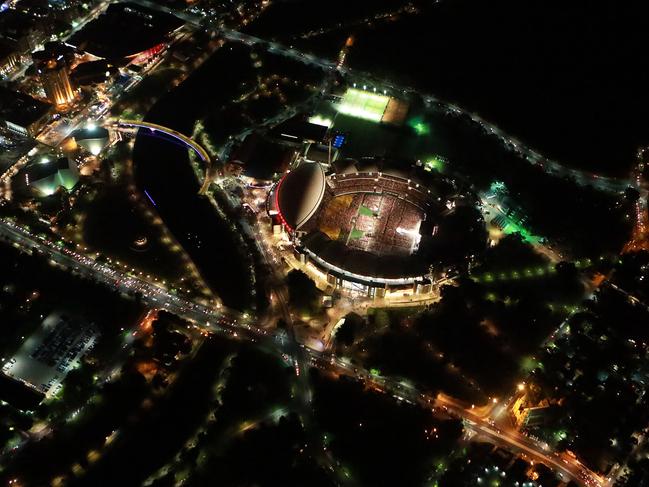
(188, 142)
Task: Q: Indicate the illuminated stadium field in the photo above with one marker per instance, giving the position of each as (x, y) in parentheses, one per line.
(362, 104)
(381, 224)
(367, 221)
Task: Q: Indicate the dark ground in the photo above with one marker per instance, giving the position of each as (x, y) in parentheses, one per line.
(566, 77)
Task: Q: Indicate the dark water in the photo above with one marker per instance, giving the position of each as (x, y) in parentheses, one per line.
(164, 171)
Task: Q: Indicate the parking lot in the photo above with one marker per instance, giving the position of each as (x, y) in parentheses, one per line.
(51, 352)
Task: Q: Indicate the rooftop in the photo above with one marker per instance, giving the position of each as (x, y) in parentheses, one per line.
(299, 129)
(21, 109)
(7, 48)
(299, 194)
(124, 30)
(15, 25)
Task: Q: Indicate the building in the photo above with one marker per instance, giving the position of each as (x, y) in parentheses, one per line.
(61, 12)
(92, 139)
(531, 409)
(56, 82)
(22, 114)
(298, 130)
(53, 67)
(9, 57)
(93, 73)
(143, 33)
(22, 28)
(364, 226)
(261, 159)
(47, 175)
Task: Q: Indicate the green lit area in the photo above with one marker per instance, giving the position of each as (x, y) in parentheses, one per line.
(495, 477)
(497, 187)
(560, 435)
(513, 219)
(513, 227)
(362, 104)
(434, 163)
(365, 211)
(61, 179)
(528, 364)
(420, 127)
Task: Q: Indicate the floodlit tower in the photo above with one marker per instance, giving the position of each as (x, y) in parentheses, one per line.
(53, 67)
(56, 82)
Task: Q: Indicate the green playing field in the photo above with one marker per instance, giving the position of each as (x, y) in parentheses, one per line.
(362, 104)
(365, 211)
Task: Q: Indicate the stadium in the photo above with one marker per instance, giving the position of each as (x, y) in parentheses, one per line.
(364, 224)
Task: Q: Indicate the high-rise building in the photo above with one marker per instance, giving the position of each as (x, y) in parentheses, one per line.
(9, 57)
(53, 67)
(56, 82)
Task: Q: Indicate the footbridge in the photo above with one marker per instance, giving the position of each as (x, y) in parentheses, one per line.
(188, 142)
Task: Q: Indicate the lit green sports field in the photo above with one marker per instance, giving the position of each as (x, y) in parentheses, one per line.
(362, 104)
(365, 211)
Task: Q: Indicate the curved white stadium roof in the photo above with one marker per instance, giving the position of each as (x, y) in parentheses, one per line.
(299, 194)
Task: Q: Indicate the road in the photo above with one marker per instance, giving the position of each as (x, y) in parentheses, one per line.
(153, 295)
(234, 323)
(552, 167)
(224, 320)
(477, 420)
(640, 237)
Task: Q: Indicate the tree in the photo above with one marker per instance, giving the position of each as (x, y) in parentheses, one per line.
(631, 195)
(5, 434)
(381, 319)
(346, 333)
(77, 385)
(303, 293)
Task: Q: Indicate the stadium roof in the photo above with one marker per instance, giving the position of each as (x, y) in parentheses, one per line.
(372, 165)
(299, 194)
